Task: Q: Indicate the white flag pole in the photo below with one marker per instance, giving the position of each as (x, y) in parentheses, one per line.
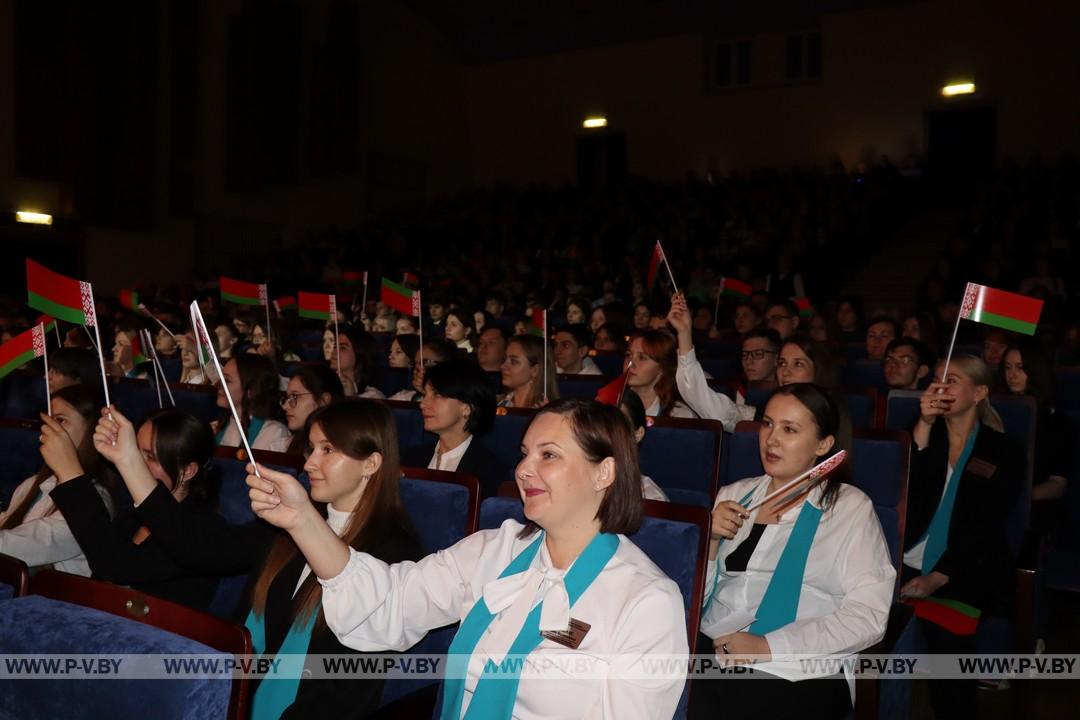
(92, 316)
(91, 336)
(363, 303)
(144, 335)
(337, 335)
(45, 354)
(716, 312)
(969, 290)
(153, 317)
(663, 256)
(546, 343)
(419, 328)
(56, 327)
(161, 369)
(200, 328)
(266, 304)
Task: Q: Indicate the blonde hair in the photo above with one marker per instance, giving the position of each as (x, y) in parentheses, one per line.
(975, 370)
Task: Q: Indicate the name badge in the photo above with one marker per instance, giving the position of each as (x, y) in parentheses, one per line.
(571, 637)
(981, 468)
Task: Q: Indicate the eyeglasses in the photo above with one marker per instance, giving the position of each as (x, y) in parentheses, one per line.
(902, 360)
(290, 399)
(757, 354)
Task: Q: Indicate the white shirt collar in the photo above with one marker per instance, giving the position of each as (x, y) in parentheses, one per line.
(439, 462)
(337, 519)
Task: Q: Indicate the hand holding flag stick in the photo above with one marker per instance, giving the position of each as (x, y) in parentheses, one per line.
(204, 338)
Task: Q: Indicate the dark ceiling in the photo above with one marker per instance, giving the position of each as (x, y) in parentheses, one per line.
(493, 30)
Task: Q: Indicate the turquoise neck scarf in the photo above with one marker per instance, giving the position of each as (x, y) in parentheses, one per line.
(254, 428)
(273, 696)
(780, 604)
(937, 534)
(496, 691)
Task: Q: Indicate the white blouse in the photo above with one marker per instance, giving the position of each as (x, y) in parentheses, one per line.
(706, 402)
(847, 586)
(450, 459)
(678, 410)
(273, 436)
(651, 491)
(43, 537)
(634, 610)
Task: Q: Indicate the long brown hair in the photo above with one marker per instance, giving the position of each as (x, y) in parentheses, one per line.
(357, 427)
(87, 401)
(533, 348)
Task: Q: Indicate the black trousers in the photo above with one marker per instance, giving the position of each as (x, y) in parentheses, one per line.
(758, 694)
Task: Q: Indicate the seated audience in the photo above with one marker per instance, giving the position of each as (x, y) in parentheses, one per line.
(571, 345)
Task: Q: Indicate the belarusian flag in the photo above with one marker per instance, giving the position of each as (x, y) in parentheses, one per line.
(538, 326)
(1006, 310)
(129, 299)
(735, 288)
(138, 354)
(806, 309)
(202, 341)
(611, 393)
(956, 617)
(354, 278)
(21, 349)
(62, 297)
(317, 306)
(284, 303)
(242, 293)
(48, 322)
(654, 265)
(400, 298)
(408, 278)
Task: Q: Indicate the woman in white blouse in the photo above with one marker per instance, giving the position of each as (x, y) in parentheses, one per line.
(566, 586)
(32, 529)
(650, 372)
(253, 384)
(690, 378)
(806, 575)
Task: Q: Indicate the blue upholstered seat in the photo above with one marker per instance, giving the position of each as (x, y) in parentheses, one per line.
(172, 368)
(409, 423)
(862, 408)
(20, 449)
(7, 592)
(581, 387)
(443, 514)
(390, 380)
(136, 399)
(610, 363)
(504, 438)
(902, 409)
(201, 402)
(24, 396)
(40, 625)
(864, 373)
(683, 457)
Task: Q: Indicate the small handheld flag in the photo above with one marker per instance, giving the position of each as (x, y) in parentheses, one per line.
(129, 299)
(287, 302)
(999, 308)
(353, 278)
(400, 298)
(733, 287)
(611, 394)
(806, 308)
(317, 306)
(657, 258)
(242, 293)
(67, 299)
(21, 349)
(811, 476)
(51, 324)
(957, 617)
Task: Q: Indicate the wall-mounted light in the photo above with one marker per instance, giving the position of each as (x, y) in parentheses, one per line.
(594, 121)
(965, 88)
(34, 218)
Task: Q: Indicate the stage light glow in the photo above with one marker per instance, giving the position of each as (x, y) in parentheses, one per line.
(595, 121)
(966, 88)
(34, 218)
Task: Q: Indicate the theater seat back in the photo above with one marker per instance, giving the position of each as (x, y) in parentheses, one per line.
(683, 457)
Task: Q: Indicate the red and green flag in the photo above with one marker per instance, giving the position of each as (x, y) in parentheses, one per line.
(317, 306)
(400, 298)
(1000, 308)
(138, 353)
(48, 322)
(242, 293)
(129, 299)
(59, 296)
(354, 278)
(611, 394)
(409, 279)
(735, 288)
(287, 302)
(21, 349)
(956, 617)
(806, 308)
(654, 265)
(538, 324)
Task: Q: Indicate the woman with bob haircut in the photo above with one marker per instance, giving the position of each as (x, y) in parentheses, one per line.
(354, 472)
(458, 404)
(567, 581)
(806, 574)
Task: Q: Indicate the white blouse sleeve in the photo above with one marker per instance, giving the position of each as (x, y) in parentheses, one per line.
(274, 436)
(867, 578)
(46, 539)
(654, 627)
(372, 606)
(695, 391)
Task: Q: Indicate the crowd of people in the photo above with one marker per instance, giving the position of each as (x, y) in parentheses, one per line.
(339, 568)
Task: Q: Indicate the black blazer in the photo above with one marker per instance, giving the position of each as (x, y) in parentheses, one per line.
(211, 544)
(978, 559)
(107, 543)
(477, 461)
